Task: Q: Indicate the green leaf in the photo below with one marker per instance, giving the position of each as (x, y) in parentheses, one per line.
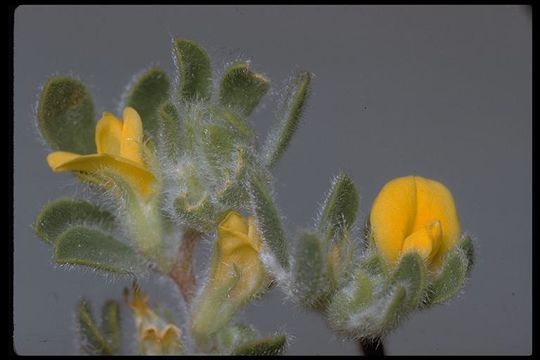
(395, 308)
(451, 279)
(91, 340)
(89, 247)
(270, 346)
(411, 274)
(240, 128)
(268, 221)
(467, 246)
(200, 215)
(194, 70)
(110, 324)
(375, 266)
(308, 268)
(294, 105)
(231, 336)
(170, 130)
(63, 213)
(147, 93)
(357, 295)
(233, 192)
(66, 116)
(241, 89)
(340, 208)
(218, 142)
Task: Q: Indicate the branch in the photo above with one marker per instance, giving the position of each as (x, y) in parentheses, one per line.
(182, 272)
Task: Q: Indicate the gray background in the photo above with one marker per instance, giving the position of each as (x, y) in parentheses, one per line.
(443, 92)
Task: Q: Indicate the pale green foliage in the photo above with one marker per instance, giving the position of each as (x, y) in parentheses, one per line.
(66, 116)
(201, 147)
(146, 95)
(93, 339)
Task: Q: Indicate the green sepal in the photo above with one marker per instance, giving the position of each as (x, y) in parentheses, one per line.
(92, 248)
(231, 336)
(340, 260)
(211, 311)
(395, 309)
(147, 93)
(218, 144)
(60, 214)
(294, 104)
(411, 274)
(308, 268)
(66, 116)
(110, 325)
(200, 215)
(238, 125)
(270, 346)
(375, 266)
(92, 341)
(233, 192)
(170, 131)
(355, 296)
(268, 221)
(467, 246)
(194, 70)
(241, 89)
(340, 208)
(450, 280)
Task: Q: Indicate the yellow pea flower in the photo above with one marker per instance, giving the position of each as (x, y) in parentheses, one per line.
(415, 214)
(119, 148)
(236, 275)
(155, 335)
(237, 256)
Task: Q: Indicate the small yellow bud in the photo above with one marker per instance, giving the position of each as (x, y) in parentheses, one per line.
(415, 214)
(155, 335)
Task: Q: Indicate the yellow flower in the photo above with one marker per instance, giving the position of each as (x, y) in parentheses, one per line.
(415, 214)
(155, 335)
(237, 256)
(119, 148)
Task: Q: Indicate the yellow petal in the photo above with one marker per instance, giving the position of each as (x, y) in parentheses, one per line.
(424, 241)
(141, 179)
(393, 216)
(108, 134)
(169, 336)
(435, 202)
(132, 136)
(232, 232)
(237, 250)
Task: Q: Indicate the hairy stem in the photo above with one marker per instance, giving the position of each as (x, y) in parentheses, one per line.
(182, 272)
(371, 347)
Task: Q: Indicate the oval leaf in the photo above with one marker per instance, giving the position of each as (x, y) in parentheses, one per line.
(308, 268)
(110, 324)
(91, 340)
(270, 346)
(66, 116)
(294, 105)
(411, 273)
(340, 207)
(194, 69)
(451, 279)
(63, 213)
(147, 93)
(268, 221)
(89, 247)
(241, 89)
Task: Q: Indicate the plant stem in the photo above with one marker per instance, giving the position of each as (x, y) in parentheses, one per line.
(371, 347)
(182, 272)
